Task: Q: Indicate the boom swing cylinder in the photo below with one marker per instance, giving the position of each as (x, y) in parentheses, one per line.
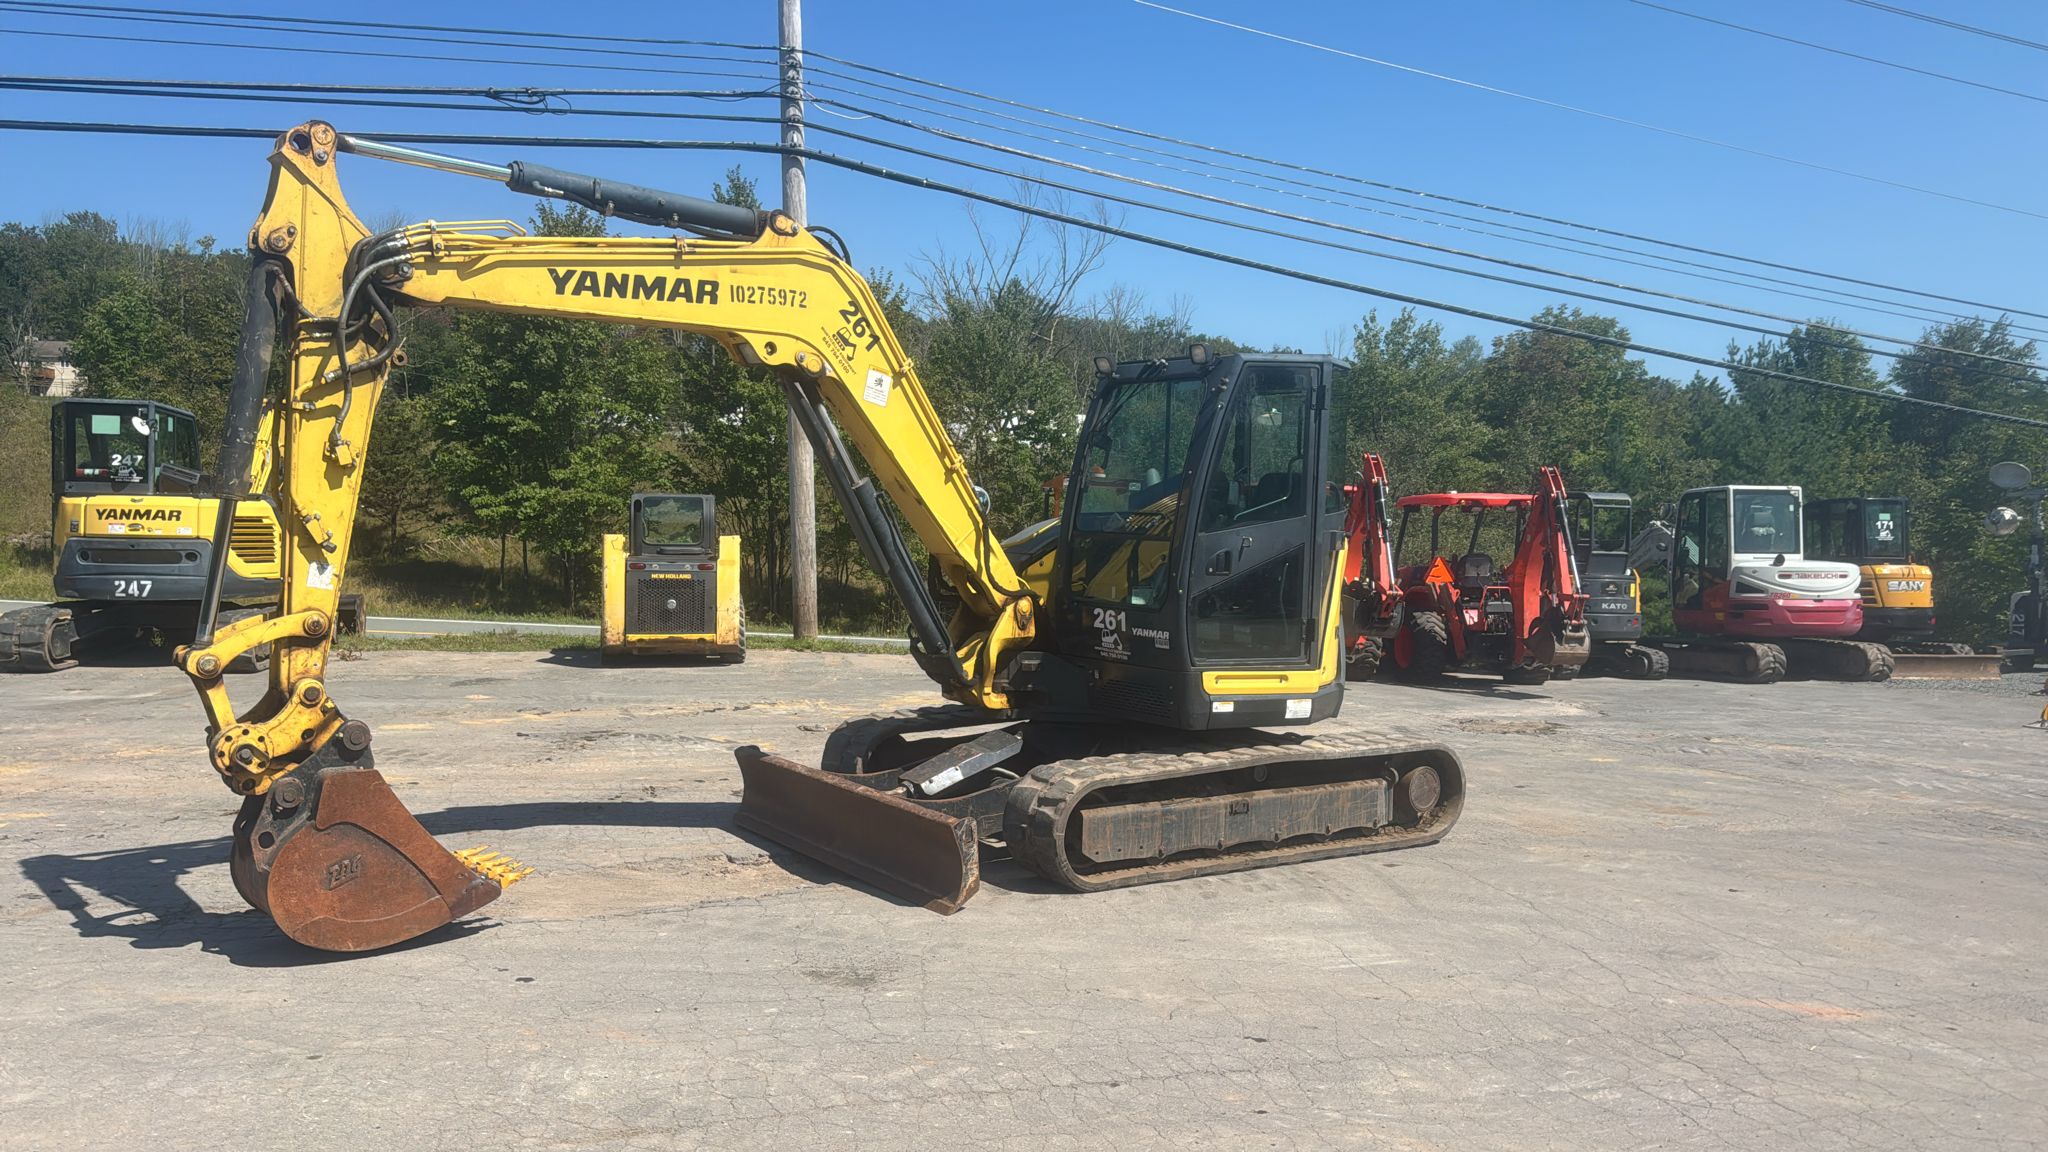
(1135, 626)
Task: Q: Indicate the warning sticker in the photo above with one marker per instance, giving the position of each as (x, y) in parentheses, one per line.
(1297, 709)
(877, 391)
(320, 575)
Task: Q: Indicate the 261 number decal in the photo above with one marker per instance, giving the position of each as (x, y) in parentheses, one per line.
(132, 589)
(1111, 619)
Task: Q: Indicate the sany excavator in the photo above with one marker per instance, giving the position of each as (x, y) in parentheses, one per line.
(1107, 712)
(1524, 621)
(1372, 596)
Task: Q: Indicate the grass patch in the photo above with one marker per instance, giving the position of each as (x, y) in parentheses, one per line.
(348, 646)
(24, 572)
(464, 642)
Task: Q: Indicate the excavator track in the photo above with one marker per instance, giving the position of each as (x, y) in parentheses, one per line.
(1739, 661)
(1855, 661)
(1197, 807)
(38, 639)
(1096, 806)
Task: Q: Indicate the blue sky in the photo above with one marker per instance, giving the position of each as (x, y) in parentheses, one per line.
(1119, 61)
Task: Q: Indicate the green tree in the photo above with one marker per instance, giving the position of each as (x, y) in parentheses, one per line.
(546, 426)
(1409, 398)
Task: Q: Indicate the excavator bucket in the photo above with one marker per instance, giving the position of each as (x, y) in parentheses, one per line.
(898, 846)
(336, 860)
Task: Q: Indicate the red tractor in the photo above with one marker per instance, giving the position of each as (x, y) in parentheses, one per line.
(1463, 610)
(1372, 597)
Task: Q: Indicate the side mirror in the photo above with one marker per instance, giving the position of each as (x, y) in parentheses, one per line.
(2011, 474)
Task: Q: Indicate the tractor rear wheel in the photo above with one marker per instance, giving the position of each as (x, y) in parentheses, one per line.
(1363, 661)
(1425, 645)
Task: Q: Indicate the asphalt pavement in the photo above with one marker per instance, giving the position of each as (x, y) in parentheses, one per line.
(1676, 915)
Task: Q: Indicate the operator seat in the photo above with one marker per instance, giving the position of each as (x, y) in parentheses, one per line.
(1475, 571)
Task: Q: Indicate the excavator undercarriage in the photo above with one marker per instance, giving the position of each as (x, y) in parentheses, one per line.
(1091, 807)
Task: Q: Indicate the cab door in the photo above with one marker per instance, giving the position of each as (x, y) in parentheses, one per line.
(1259, 556)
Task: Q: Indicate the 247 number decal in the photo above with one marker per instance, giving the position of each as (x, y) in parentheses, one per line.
(132, 589)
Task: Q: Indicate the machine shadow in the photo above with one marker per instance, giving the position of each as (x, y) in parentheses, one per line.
(154, 910)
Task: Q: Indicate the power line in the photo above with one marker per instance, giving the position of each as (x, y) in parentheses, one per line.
(1844, 52)
(239, 23)
(34, 4)
(1598, 115)
(1196, 216)
(1459, 252)
(1947, 23)
(542, 99)
(1362, 181)
(413, 57)
(1359, 201)
(381, 24)
(1058, 217)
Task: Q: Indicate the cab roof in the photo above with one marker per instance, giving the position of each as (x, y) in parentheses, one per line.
(1466, 500)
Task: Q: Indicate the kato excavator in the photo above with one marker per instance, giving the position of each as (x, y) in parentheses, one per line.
(1109, 704)
(1525, 621)
(1603, 525)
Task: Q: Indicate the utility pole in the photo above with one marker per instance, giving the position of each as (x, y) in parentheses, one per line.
(803, 490)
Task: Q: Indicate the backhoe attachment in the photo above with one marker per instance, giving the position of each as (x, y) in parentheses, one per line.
(333, 856)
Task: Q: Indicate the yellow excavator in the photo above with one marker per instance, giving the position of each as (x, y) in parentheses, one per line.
(1109, 706)
(129, 512)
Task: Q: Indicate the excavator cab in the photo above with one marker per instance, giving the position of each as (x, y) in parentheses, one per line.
(1875, 534)
(1201, 529)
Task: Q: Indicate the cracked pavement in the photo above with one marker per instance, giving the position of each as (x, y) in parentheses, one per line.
(1677, 915)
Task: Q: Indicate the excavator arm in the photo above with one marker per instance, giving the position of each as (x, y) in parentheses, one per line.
(322, 843)
(1549, 601)
(1372, 592)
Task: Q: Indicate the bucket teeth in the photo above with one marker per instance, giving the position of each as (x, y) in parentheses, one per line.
(493, 865)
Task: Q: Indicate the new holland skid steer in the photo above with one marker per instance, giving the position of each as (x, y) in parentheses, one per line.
(1110, 697)
(130, 522)
(672, 583)
(1524, 620)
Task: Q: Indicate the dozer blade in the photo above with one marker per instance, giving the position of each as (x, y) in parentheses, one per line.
(898, 846)
(336, 860)
(1945, 666)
